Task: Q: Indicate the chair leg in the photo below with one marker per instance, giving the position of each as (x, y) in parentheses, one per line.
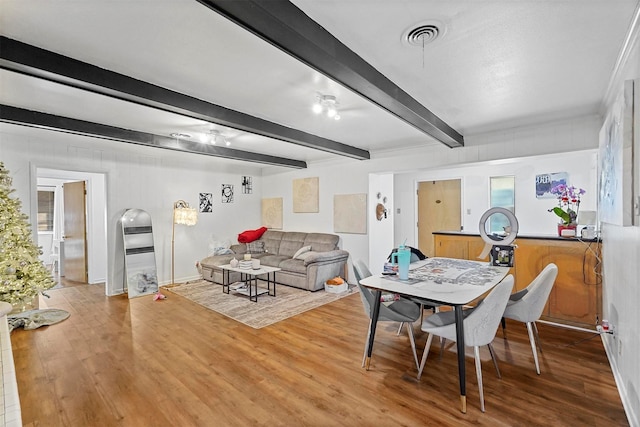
(503, 322)
(443, 340)
(535, 334)
(399, 329)
(412, 339)
(476, 352)
(533, 346)
(425, 353)
(495, 360)
(366, 343)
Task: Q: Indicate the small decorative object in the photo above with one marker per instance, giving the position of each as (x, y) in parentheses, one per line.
(247, 257)
(336, 285)
(567, 209)
(233, 263)
(381, 209)
(256, 263)
(206, 202)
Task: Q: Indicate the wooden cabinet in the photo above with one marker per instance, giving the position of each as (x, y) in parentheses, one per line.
(576, 296)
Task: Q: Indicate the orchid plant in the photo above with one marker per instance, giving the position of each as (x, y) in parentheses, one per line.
(568, 203)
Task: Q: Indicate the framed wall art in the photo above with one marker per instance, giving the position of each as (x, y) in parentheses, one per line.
(227, 193)
(547, 181)
(272, 213)
(247, 185)
(350, 213)
(206, 202)
(306, 195)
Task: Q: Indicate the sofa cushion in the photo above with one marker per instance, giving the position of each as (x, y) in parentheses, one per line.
(301, 251)
(272, 260)
(295, 265)
(291, 242)
(256, 247)
(271, 239)
(321, 242)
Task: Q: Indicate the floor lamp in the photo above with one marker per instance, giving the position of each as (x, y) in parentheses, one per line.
(182, 214)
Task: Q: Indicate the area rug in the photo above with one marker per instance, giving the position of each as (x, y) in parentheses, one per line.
(288, 302)
(33, 319)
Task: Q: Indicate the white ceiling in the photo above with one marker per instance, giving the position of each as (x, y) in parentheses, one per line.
(499, 64)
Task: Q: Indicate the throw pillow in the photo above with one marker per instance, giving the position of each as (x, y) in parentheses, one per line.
(301, 251)
(251, 235)
(306, 255)
(255, 247)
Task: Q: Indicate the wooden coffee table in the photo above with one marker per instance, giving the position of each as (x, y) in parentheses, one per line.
(249, 278)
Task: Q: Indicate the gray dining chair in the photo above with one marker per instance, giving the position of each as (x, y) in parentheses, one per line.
(526, 305)
(402, 310)
(480, 325)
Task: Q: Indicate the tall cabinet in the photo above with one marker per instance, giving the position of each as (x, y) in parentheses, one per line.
(576, 297)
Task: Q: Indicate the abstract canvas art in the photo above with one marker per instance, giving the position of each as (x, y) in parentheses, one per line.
(306, 195)
(272, 213)
(350, 213)
(615, 169)
(206, 202)
(227, 193)
(247, 185)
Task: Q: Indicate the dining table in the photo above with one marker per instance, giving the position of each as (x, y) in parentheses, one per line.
(441, 281)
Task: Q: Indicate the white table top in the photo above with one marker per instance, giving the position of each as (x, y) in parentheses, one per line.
(264, 269)
(445, 280)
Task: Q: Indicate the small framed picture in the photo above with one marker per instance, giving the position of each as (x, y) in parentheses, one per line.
(206, 202)
(227, 193)
(247, 186)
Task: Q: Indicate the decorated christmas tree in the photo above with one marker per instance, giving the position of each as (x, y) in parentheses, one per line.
(22, 274)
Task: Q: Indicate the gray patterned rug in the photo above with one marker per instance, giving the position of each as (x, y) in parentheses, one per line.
(288, 302)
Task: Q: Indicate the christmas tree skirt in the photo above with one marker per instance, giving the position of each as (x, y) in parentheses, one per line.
(33, 319)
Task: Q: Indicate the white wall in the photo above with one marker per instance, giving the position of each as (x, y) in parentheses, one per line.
(532, 213)
(621, 278)
(140, 177)
(566, 138)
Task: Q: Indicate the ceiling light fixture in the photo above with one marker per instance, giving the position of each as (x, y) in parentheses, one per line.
(215, 137)
(328, 105)
(178, 135)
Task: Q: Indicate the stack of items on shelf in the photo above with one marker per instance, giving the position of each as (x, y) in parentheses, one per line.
(238, 286)
(245, 264)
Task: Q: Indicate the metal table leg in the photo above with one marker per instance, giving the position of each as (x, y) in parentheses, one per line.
(374, 321)
(225, 281)
(461, 366)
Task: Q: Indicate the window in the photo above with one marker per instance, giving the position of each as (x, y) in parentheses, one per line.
(502, 195)
(45, 209)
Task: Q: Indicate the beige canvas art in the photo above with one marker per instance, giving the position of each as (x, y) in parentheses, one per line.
(272, 213)
(306, 195)
(350, 213)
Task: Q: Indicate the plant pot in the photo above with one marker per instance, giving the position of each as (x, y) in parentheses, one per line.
(567, 230)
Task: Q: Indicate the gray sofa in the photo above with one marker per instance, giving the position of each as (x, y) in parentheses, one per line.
(324, 261)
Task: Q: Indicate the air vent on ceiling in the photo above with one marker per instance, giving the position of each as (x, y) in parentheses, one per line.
(423, 34)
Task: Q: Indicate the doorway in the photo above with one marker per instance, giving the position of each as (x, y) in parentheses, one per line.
(439, 209)
(95, 211)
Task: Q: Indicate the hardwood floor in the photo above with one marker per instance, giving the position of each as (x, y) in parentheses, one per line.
(120, 362)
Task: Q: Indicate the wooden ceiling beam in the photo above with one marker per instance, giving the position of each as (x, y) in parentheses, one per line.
(34, 61)
(285, 26)
(23, 117)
